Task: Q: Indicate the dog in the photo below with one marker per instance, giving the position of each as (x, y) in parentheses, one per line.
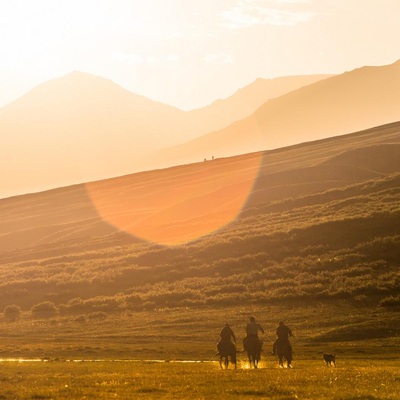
(330, 359)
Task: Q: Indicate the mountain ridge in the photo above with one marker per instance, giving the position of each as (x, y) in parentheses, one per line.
(81, 127)
(352, 101)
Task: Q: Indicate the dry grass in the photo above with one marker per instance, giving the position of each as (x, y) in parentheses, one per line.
(352, 379)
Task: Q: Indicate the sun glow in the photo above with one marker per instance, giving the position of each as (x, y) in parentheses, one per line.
(180, 204)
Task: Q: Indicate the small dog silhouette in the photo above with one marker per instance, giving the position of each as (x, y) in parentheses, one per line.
(330, 359)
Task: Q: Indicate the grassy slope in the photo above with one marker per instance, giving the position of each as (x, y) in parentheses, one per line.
(319, 235)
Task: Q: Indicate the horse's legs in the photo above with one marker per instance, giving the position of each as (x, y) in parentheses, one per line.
(233, 360)
(226, 362)
(289, 362)
(250, 359)
(289, 358)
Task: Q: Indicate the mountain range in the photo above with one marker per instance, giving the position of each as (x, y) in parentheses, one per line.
(349, 102)
(80, 128)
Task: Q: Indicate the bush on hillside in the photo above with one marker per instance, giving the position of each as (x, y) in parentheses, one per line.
(391, 301)
(45, 309)
(98, 315)
(81, 319)
(12, 312)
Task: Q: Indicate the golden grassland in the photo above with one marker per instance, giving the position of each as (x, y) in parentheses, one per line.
(352, 379)
(339, 327)
(171, 353)
(340, 244)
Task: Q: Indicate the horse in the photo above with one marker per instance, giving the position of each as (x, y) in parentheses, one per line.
(284, 350)
(253, 346)
(227, 352)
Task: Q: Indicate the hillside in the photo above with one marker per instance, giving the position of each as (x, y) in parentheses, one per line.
(246, 101)
(320, 220)
(349, 102)
(81, 127)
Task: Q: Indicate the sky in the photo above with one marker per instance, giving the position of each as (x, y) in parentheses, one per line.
(188, 53)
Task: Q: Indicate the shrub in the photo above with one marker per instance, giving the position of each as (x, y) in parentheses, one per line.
(102, 303)
(391, 301)
(12, 312)
(81, 319)
(76, 305)
(45, 309)
(98, 315)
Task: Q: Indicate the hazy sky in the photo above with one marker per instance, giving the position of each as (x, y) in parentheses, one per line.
(188, 53)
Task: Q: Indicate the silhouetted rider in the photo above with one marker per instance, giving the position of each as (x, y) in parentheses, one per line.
(226, 335)
(252, 329)
(282, 333)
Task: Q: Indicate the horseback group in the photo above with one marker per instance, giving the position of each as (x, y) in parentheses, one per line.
(252, 344)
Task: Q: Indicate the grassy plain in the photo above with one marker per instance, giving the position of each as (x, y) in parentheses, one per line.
(352, 379)
(340, 327)
(170, 353)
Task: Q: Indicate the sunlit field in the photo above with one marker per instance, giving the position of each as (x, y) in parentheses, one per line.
(352, 379)
(171, 353)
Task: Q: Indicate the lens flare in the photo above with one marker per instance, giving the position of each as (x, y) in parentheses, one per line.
(177, 205)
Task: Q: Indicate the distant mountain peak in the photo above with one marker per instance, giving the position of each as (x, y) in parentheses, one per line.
(79, 73)
(81, 76)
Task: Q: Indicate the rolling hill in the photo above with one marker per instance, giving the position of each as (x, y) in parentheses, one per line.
(355, 100)
(314, 221)
(81, 127)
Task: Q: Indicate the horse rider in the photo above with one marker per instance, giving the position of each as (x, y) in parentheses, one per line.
(282, 336)
(226, 335)
(252, 329)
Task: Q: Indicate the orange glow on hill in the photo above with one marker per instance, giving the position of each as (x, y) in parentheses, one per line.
(179, 204)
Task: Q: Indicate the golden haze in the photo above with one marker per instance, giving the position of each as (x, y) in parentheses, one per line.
(179, 204)
(81, 128)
